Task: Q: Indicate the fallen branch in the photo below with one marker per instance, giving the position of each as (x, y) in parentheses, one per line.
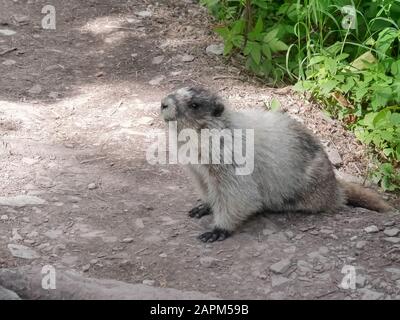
(7, 51)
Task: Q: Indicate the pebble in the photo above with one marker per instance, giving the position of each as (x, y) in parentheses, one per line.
(15, 235)
(278, 280)
(7, 32)
(9, 62)
(391, 232)
(187, 58)
(389, 224)
(208, 262)
(361, 244)
(4, 217)
(86, 268)
(92, 186)
(281, 266)
(157, 60)
(157, 80)
(149, 282)
(163, 255)
(139, 223)
(334, 157)
(36, 89)
(392, 239)
(23, 252)
(144, 14)
(370, 294)
(217, 49)
(21, 201)
(127, 240)
(371, 229)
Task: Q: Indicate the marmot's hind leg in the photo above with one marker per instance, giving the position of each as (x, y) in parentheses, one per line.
(201, 210)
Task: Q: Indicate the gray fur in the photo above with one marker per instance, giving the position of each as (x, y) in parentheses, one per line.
(291, 169)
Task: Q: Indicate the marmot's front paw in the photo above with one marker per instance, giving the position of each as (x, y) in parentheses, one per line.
(215, 235)
(200, 211)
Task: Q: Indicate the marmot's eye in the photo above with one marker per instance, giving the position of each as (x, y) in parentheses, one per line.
(194, 106)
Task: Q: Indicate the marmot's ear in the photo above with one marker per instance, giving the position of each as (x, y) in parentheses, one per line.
(218, 108)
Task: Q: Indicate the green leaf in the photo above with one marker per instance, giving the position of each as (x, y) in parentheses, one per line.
(266, 51)
(277, 45)
(327, 86)
(271, 35)
(275, 104)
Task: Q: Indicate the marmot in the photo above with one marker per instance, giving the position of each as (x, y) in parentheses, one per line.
(291, 172)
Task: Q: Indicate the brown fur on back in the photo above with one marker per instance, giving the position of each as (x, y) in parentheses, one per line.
(359, 196)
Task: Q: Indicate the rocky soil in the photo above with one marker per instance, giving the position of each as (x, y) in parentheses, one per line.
(79, 106)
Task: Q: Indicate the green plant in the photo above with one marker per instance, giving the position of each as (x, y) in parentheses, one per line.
(354, 71)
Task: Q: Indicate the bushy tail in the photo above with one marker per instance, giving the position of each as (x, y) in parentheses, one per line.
(359, 196)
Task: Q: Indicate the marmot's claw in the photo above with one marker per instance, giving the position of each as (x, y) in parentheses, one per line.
(215, 235)
(200, 211)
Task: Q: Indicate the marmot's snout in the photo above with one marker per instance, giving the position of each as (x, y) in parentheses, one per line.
(168, 108)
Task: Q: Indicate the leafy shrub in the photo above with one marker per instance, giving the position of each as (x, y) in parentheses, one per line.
(346, 53)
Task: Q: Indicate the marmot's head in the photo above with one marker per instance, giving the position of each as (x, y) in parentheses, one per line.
(192, 107)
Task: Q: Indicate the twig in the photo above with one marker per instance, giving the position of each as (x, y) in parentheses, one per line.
(7, 51)
(92, 160)
(226, 77)
(117, 107)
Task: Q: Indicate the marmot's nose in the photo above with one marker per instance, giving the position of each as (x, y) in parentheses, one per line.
(164, 106)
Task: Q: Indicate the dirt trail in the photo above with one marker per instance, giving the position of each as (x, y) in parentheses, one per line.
(78, 109)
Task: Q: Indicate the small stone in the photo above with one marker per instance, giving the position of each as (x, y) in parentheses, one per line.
(217, 49)
(86, 268)
(163, 255)
(371, 229)
(20, 19)
(281, 266)
(391, 232)
(360, 281)
(268, 232)
(157, 60)
(187, 58)
(4, 217)
(33, 234)
(7, 32)
(127, 240)
(15, 235)
(334, 157)
(139, 223)
(21, 201)
(92, 186)
(276, 281)
(36, 89)
(144, 14)
(392, 239)
(9, 62)
(23, 252)
(145, 120)
(208, 262)
(361, 244)
(157, 80)
(326, 231)
(395, 273)
(54, 95)
(94, 261)
(389, 224)
(370, 294)
(149, 282)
